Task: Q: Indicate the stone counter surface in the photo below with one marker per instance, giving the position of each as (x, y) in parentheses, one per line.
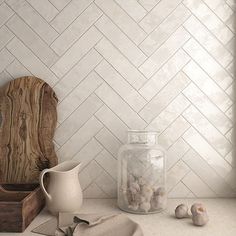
(222, 213)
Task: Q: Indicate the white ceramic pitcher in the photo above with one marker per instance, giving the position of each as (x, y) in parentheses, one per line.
(64, 191)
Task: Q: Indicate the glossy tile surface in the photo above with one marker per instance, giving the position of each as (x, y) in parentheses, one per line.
(133, 64)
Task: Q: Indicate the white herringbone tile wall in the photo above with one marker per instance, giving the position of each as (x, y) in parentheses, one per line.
(132, 64)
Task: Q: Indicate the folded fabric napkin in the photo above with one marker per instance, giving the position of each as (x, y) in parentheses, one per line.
(69, 224)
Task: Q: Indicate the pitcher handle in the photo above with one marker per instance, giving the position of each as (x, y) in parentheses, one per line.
(41, 183)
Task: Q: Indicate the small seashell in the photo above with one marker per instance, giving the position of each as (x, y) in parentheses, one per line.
(146, 192)
(181, 211)
(145, 206)
(159, 199)
(141, 181)
(160, 191)
(133, 206)
(198, 208)
(134, 188)
(158, 202)
(199, 214)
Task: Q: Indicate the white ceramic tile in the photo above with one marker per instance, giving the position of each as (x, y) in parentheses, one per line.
(76, 52)
(217, 73)
(209, 109)
(231, 159)
(120, 63)
(109, 141)
(229, 135)
(5, 36)
(162, 54)
(122, 109)
(89, 174)
(164, 97)
(107, 184)
(79, 139)
(76, 29)
(32, 40)
(165, 29)
(230, 23)
(148, 4)
(122, 20)
(204, 149)
(113, 123)
(93, 191)
(199, 188)
(232, 4)
(208, 41)
(5, 13)
(120, 40)
(230, 46)
(208, 86)
(69, 13)
(60, 4)
(108, 162)
(208, 175)
(77, 119)
(169, 114)
(209, 19)
(87, 153)
(78, 95)
(45, 8)
(30, 61)
(179, 191)
(5, 77)
(133, 8)
(164, 75)
(221, 9)
(16, 69)
(175, 174)
(176, 152)
(120, 85)
(173, 132)
(33, 19)
(211, 134)
(6, 58)
(158, 14)
(230, 179)
(77, 73)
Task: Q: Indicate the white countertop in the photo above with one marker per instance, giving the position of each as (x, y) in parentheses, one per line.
(222, 214)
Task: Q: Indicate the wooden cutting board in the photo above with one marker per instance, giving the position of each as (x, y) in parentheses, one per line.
(27, 124)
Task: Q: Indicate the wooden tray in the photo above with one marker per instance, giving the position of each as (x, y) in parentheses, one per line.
(19, 205)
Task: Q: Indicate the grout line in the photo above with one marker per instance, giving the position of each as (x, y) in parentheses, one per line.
(60, 33)
(63, 7)
(213, 14)
(118, 25)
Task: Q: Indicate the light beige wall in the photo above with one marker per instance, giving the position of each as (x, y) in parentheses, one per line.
(119, 64)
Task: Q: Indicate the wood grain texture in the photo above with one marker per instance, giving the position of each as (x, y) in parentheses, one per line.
(19, 205)
(27, 124)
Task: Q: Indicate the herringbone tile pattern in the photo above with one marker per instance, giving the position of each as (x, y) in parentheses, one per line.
(132, 64)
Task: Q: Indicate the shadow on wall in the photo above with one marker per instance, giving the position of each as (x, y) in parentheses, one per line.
(233, 163)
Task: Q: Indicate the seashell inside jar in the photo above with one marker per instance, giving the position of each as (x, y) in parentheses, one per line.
(141, 174)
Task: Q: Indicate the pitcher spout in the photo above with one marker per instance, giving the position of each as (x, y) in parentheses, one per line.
(67, 166)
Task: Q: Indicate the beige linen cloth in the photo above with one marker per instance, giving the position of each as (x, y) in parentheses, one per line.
(89, 225)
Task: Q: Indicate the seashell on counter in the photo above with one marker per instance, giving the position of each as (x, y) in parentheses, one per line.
(181, 211)
(199, 214)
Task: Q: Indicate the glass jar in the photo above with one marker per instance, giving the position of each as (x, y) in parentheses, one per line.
(142, 174)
